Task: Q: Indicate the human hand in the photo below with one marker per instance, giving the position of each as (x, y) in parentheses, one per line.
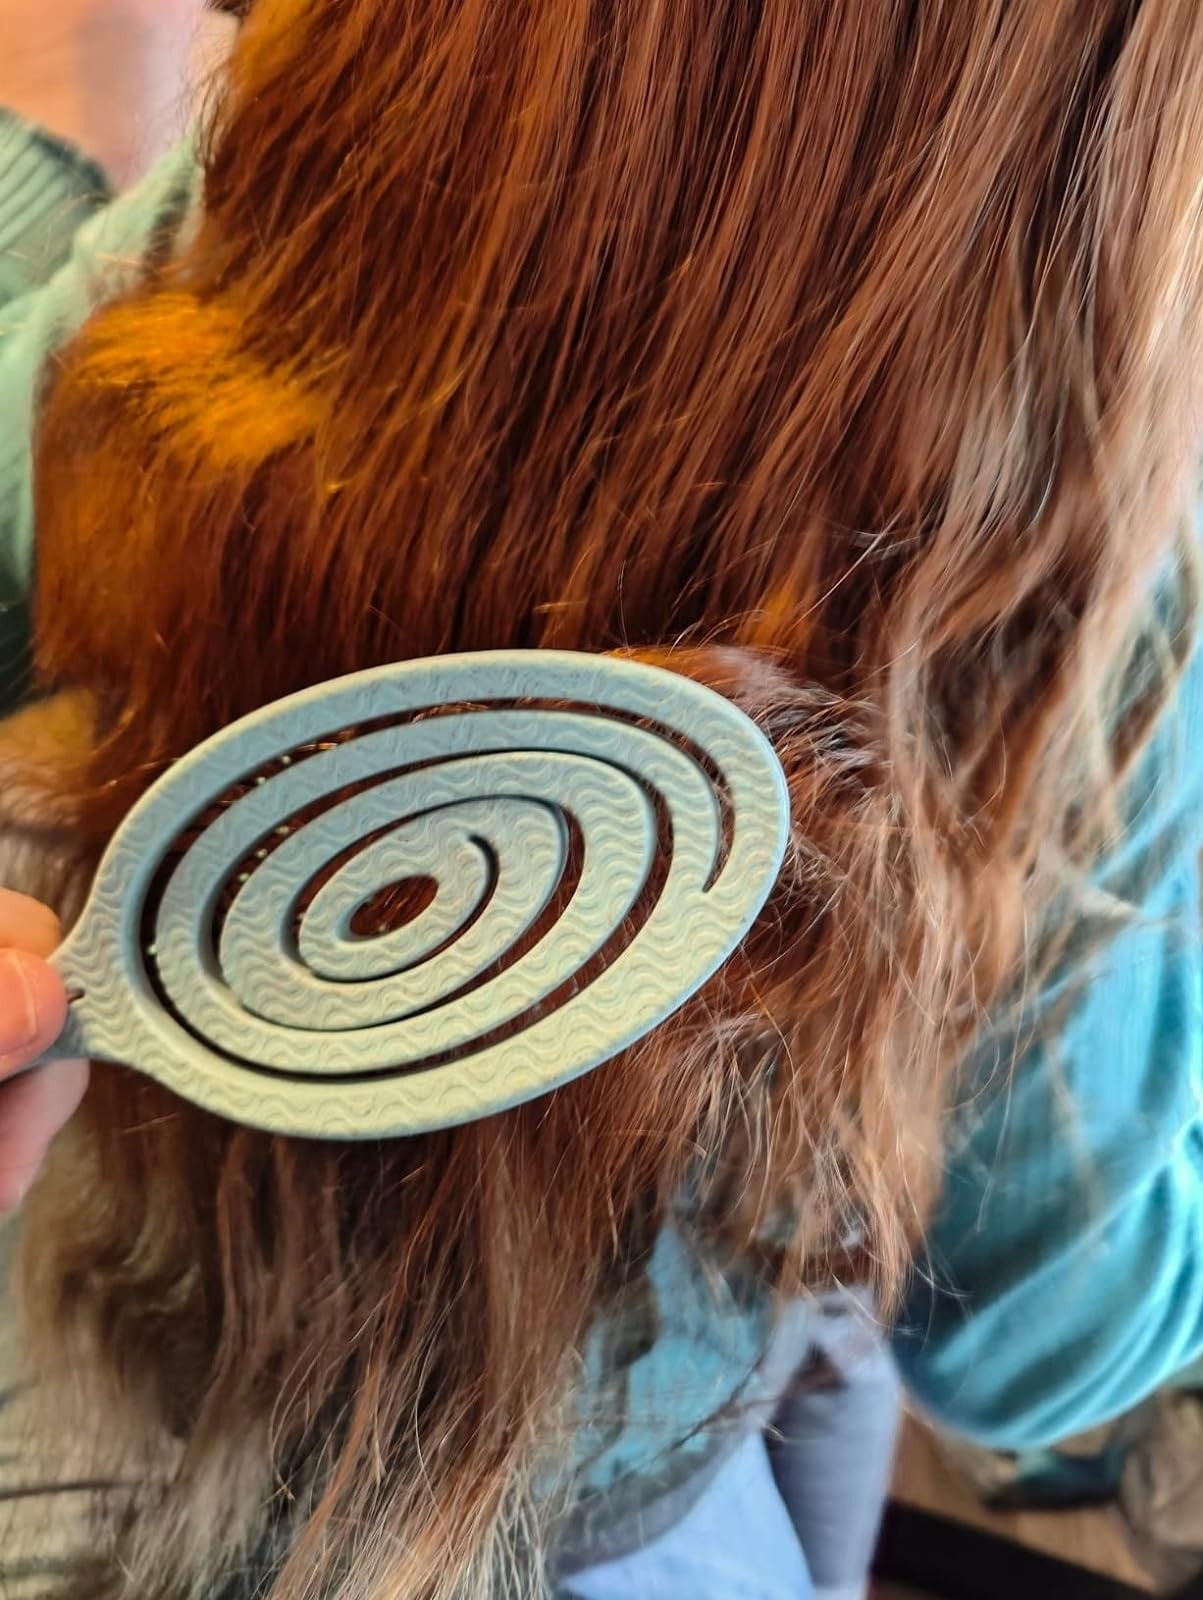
(33, 1006)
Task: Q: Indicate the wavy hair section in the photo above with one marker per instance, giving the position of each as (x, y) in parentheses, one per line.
(843, 355)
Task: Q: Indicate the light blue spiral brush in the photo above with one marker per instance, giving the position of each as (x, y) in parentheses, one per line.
(593, 837)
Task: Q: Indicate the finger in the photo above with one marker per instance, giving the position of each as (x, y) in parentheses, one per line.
(27, 924)
(32, 1110)
(33, 1008)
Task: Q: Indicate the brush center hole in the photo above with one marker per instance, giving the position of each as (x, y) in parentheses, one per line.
(393, 907)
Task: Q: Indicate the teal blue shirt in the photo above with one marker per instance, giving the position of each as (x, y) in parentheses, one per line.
(1065, 1271)
(65, 245)
(1065, 1279)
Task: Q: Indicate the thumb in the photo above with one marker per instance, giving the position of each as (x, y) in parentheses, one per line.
(33, 1105)
(33, 1008)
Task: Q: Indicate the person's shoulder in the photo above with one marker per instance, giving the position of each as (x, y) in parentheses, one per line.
(66, 247)
(48, 189)
(1064, 1271)
(1162, 799)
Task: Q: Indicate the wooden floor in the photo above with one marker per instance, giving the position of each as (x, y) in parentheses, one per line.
(1091, 1539)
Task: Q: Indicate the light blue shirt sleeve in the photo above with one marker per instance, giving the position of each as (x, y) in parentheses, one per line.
(1064, 1275)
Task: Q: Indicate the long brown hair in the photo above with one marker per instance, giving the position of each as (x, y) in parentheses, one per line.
(841, 354)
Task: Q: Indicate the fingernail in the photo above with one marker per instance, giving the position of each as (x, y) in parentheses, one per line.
(18, 1008)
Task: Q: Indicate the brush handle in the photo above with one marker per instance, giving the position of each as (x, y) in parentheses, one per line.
(84, 1034)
